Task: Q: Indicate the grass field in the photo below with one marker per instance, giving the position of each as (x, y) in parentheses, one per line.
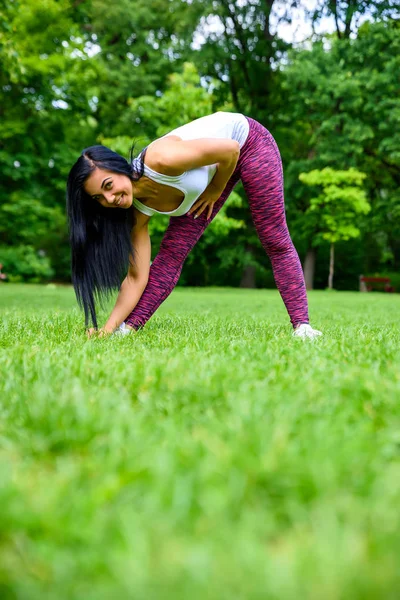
(208, 456)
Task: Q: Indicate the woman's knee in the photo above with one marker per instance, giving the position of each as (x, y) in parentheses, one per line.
(277, 242)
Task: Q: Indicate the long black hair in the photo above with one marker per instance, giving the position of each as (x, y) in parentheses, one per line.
(100, 238)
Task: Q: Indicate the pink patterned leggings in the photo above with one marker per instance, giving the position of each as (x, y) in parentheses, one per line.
(260, 169)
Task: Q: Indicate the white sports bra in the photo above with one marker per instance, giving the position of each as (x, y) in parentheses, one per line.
(220, 125)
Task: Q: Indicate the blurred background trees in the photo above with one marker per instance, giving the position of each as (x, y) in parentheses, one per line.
(332, 215)
(78, 72)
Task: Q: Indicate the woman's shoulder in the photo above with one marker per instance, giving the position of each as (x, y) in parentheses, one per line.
(156, 153)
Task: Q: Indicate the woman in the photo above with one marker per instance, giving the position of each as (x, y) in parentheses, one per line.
(187, 174)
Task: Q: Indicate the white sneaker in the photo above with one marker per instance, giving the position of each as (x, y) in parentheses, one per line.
(123, 330)
(304, 331)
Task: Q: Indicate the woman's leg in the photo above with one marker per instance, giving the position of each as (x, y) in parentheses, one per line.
(262, 178)
(181, 235)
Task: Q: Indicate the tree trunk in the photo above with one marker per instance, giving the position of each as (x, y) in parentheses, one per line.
(309, 268)
(335, 14)
(249, 272)
(248, 277)
(331, 266)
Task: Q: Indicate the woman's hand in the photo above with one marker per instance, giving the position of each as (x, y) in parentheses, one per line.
(102, 332)
(206, 201)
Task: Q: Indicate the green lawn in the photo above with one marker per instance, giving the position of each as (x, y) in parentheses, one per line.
(210, 456)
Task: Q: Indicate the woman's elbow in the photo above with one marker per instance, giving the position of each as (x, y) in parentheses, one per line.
(137, 279)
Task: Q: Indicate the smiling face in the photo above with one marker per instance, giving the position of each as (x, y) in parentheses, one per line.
(109, 189)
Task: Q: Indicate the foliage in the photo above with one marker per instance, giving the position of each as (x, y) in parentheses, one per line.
(240, 49)
(73, 74)
(24, 220)
(347, 13)
(345, 103)
(332, 214)
(183, 101)
(24, 263)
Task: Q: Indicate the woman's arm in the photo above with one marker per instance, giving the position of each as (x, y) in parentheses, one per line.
(138, 274)
(173, 156)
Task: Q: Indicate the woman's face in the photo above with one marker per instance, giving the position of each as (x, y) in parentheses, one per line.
(109, 189)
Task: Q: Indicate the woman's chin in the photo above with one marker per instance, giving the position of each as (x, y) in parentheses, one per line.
(126, 202)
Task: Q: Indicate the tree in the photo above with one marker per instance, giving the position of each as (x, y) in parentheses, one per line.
(347, 13)
(332, 215)
(240, 50)
(72, 74)
(345, 101)
(67, 74)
